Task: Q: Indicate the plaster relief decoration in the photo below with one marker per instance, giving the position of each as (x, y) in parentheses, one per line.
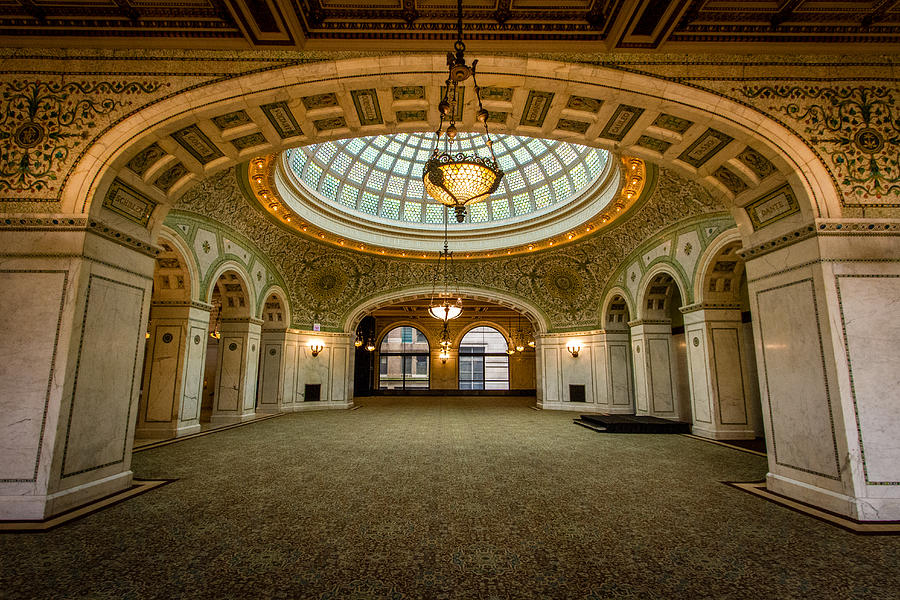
(45, 124)
(772, 207)
(128, 202)
(325, 281)
(146, 159)
(856, 131)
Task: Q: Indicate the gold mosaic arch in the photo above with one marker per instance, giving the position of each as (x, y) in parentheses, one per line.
(734, 151)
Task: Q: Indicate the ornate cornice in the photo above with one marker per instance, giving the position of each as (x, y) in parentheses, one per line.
(78, 224)
(710, 306)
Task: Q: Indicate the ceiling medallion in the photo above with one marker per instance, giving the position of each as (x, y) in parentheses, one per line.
(456, 180)
(261, 173)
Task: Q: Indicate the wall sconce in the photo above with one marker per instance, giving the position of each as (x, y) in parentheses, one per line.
(573, 348)
(316, 347)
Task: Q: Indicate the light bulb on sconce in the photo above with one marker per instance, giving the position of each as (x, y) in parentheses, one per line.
(573, 349)
(316, 347)
(444, 355)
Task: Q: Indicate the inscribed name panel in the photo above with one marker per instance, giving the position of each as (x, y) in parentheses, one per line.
(107, 366)
(872, 357)
(794, 371)
(28, 347)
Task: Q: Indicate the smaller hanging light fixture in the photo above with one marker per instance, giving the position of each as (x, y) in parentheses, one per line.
(520, 335)
(370, 345)
(358, 342)
(443, 306)
(445, 337)
(215, 332)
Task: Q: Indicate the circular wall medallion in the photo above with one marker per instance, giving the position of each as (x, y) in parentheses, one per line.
(232, 346)
(696, 341)
(167, 337)
(637, 349)
(272, 352)
(196, 339)
(869, 140)
(253, 348)
(29, 135)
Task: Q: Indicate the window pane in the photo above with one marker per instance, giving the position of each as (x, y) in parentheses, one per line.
(404, 340)
(486, 340)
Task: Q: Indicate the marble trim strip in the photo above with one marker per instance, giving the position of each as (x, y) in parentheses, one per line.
(689, 308)
(723, 443)
(758, 488)
(837, 464)
(62, 305)
(862, 449)
(823, 261)
(185, 303)
(137, 348)
(139, 486)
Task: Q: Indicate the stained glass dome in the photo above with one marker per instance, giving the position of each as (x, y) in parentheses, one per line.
(381, 176)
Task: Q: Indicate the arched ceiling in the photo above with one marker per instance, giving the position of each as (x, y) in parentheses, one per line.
(580, 25)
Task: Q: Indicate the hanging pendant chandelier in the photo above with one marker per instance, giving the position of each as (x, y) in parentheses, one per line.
(457, 179)
(445, 302)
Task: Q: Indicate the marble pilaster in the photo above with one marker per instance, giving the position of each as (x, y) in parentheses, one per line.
(657, 392)
(826, 326)
(173, 370)
(237, 370)
(722, 405)
(73, 327)
(331, 370)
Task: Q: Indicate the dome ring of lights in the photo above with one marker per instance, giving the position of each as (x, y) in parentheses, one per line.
(367, 193)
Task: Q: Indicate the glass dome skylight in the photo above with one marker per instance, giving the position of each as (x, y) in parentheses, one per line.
(381, 176)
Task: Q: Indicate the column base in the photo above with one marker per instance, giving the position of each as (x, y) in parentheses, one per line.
(861, 509)
(228, 419)
(572, 407)
(723, 434)
(37, 508)
(304, 406)
(165, 431)
(272, 410)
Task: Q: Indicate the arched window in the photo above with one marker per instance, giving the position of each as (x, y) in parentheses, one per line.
(403, 360)
(483, 361)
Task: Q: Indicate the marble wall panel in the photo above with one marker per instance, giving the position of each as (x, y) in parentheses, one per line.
(193, 378)
(799, 406)
(228, 393)
(251, 371)
(873, 355)
(164, 365)
(107, 364)
(699, 362)
(639, 350)
(290, 368)
(729, 375)
(271, 371)
(619, 375)
(551, 375)
(28, 346)
(660, 372)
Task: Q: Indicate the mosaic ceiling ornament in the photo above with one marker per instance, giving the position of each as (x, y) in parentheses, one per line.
(44, 123)
(855, 129)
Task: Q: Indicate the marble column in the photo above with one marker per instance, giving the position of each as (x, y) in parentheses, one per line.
(277, 371)
(656, 389)
(826, 322)
(73, 340)
(614, 386)
(173, 370)
(236, 370)
(331, 370)
(722, 403)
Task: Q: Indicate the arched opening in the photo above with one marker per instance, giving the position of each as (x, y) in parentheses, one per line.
(169, 403)
(233, 349)
(662, 386)
(277, 360)
(484, 355)
(723, 372)
(404, 360)
(616, 342)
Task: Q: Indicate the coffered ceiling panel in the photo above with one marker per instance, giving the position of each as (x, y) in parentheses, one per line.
(574, 25)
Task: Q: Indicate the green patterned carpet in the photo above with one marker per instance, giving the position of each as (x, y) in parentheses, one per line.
(436, 498)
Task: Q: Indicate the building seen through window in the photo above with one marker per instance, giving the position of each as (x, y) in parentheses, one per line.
(403, 360)
(483, 361)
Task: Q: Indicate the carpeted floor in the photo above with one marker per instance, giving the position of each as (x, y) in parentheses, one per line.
(437, 498)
